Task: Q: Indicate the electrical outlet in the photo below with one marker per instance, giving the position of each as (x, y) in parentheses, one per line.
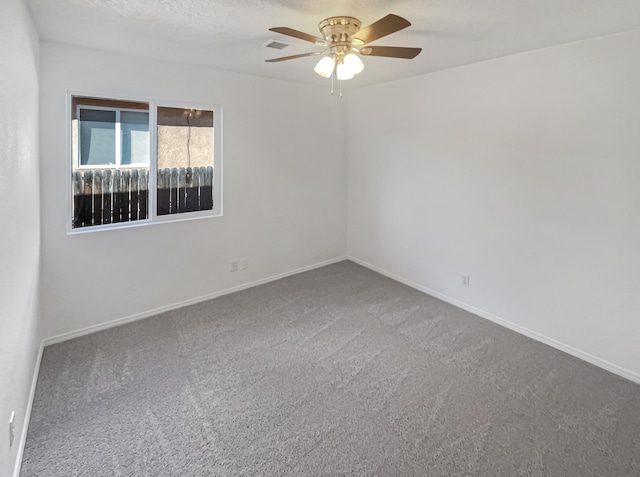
(234, 265)
(12, 429)
(243, 264)
(465, 280)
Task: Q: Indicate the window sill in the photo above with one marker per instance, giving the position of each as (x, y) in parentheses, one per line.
(166, 219)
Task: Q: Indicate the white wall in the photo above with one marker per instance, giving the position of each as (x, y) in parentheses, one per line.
(522, 172)
(19, 216)
(284, 191)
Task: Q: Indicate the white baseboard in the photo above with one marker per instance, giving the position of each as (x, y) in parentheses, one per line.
(601, 363)
(145, 314)
(27, 414)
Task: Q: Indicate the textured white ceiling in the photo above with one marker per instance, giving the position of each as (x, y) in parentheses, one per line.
(228, 34)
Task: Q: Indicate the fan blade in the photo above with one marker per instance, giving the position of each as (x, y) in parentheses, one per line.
(383, 27)
(298, 34)
(293, 57)
(391, 51)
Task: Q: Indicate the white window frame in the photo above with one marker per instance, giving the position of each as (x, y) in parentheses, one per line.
(118, 139)
(154, 104)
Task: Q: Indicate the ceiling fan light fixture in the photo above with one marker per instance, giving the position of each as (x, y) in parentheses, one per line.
(343, 72)
(325, 67)
(353, 63)
(345, 42)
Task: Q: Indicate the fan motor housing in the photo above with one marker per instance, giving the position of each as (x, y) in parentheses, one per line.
(339, 29)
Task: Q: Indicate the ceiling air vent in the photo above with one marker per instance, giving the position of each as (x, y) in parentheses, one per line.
(278, 45)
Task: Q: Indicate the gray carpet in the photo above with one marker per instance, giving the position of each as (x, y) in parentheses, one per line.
(334, 372)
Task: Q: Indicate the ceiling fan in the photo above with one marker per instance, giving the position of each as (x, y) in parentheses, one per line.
(344, 42)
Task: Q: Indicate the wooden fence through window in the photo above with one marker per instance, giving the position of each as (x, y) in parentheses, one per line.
(107, 196)
(185, 190)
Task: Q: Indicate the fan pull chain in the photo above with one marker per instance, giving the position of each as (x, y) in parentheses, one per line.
(331, 85)
(340, 89)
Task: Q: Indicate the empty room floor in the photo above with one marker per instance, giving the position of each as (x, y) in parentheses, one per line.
(336, 371)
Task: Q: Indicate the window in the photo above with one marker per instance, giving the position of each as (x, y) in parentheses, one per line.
(185, 173)
(126, 171)
(113, 137)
